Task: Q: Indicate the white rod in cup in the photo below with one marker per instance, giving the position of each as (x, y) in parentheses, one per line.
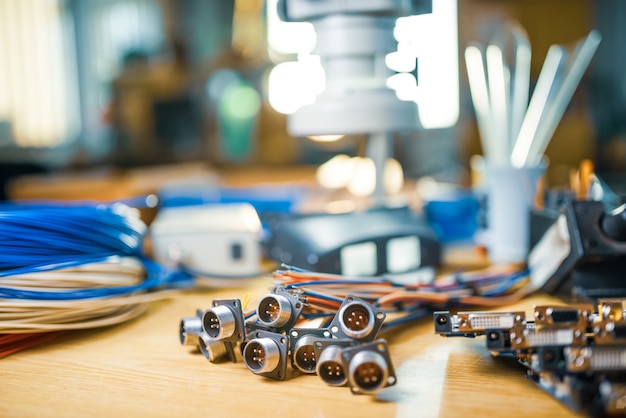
(521, 79)
(480, 96)
(580, 60)
(553, 61)
(510, 195)
(499, 103)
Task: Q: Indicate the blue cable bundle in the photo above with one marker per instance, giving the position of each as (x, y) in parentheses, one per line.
(38, 238)
(73, 266)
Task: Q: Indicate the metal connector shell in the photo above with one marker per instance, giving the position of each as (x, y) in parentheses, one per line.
(224, 320)
(357, 319)
(302, 345)
(593, 359)
(531, 338)
(477, 323)
(607, 332)
(481, 321)
(279, 311)
(611, 309)
(190, 328)
(266, 354)
(369, 367)
(558, 316)
(214, 350)
(330, 366)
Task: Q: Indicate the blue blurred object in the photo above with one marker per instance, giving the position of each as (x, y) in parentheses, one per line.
(453, 216)
(267, 200)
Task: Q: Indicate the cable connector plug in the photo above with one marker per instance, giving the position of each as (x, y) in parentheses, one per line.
(330, 365)
(224, 322)
(190, 329)
(369, 367)
(266, 354)
(357, 319)
(279, 311)
(214, 350)
(302, 346)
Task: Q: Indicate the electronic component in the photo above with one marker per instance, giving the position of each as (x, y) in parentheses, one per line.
(279, 311)
(224, 320)
(368, 367)
(611, 309)
(366, 243)
(214, 350)
(344, 352)
(609, 332)
(190, 329)
(576, 316)
(548, 358)
(266, 354)
(215, 241)
(580, 255)
(302, 342)
(574, 352)
(330, 365)
(585, 359)
(477, 322)
(357, 319)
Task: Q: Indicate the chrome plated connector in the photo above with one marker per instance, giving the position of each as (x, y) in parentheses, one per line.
(224, 320)
(330, 366)
(190, 328)
(302, 346)
(266, 354)
(279, 311)
(214, 350)
(369, 367)
(357, 319)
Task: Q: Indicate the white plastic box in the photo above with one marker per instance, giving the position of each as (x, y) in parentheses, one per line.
(220, 240)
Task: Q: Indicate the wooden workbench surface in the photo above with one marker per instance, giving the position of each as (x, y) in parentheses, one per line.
(140, 369)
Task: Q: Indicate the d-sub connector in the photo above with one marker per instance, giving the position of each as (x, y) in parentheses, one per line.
(279, 311)
(357, 319)
(266, 354)
(224, 320)
(369, 367)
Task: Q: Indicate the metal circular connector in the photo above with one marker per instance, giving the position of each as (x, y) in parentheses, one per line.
(304, 354)
(219, 322)
(330, 367)
(189, 329)
(356, 320)
(212, 349)
(261, 355)
(274, 310)
(368, 372)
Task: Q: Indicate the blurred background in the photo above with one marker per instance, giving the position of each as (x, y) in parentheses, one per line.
(120, 84)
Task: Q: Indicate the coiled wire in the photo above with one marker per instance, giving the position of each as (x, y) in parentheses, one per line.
(72, 266)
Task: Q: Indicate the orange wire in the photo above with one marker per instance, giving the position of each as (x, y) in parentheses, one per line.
(13, 343)
(324, 302)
